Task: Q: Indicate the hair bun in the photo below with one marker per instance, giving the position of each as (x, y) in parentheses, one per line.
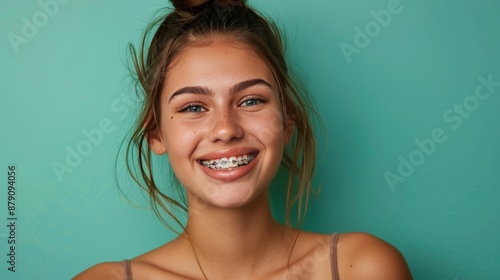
(230, 2)
(189, 4)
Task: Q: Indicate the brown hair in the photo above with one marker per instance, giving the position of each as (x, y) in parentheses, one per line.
(201, 21)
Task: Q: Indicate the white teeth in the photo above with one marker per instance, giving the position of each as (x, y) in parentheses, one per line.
(223, 161)
(234, 161)
(228, 163)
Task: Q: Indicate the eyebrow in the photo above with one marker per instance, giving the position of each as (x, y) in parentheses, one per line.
(236, 88)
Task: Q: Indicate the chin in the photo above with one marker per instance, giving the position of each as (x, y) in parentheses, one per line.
(231, 196)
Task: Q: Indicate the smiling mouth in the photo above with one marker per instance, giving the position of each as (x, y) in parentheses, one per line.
(228, 163)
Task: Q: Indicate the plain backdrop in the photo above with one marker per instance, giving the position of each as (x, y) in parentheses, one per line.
(408, 91)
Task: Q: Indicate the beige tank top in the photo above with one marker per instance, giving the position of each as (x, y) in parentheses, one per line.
(127, 270)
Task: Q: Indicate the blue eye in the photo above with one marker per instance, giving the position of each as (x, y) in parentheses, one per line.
(252, 102)
(192, 109)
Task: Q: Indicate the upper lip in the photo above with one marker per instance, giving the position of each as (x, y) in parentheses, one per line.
(233, 152)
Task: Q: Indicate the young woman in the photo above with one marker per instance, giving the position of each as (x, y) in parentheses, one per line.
(220, 102)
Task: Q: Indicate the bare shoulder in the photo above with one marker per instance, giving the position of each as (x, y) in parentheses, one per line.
(364, 256)
(102, 271)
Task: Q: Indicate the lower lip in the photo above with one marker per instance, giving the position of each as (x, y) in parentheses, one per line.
(229, 175)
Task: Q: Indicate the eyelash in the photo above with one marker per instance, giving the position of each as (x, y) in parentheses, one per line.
(189, 106)
(260, 100)
(186, 107)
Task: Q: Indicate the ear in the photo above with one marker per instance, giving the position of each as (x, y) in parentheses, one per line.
(289, 128)
(156, 143)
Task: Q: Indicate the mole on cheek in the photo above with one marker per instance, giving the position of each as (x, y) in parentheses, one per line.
(171, 117)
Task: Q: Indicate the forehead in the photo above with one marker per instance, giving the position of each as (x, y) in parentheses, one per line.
(217, 64)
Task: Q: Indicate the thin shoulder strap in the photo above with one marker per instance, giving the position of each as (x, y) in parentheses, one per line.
(333, 250)
(127, 271)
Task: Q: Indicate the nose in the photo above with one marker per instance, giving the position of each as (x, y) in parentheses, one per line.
(226, 127)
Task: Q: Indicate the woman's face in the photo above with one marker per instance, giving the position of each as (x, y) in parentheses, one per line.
(221, 124)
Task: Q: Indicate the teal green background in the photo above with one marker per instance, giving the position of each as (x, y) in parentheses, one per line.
(71, 76)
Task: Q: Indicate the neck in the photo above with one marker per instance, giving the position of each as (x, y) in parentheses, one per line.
(237, 242)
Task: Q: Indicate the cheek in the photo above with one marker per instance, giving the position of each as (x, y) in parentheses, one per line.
(270, 128)
(180, 138)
